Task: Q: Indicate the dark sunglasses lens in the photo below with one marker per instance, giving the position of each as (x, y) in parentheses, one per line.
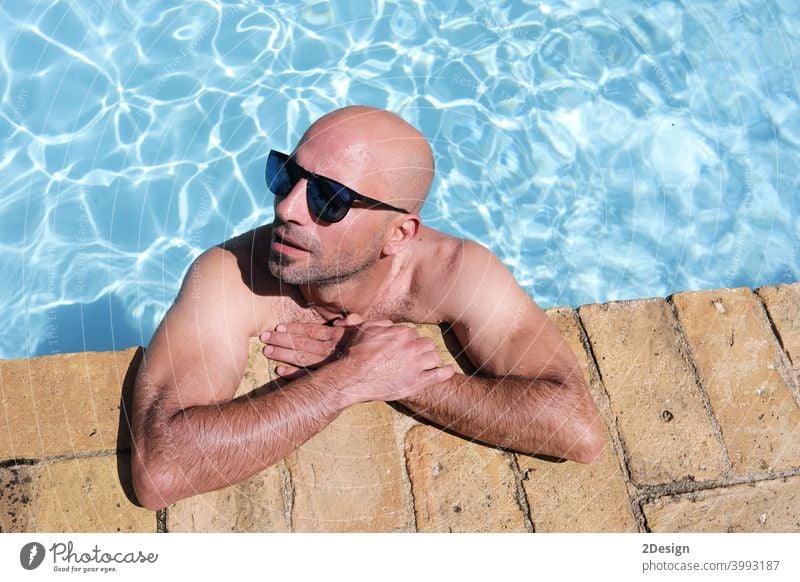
(328, 201)
(280, 177)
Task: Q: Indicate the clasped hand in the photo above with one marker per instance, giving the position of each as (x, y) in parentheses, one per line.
(379, 359)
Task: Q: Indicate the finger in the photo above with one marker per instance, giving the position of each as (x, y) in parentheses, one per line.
(292, 357)
(284, 370)
(430, 360)
(386, 324)
(300, 343)
(426, 344)
(291, 373)
(437, 375)
(378, 322)
(392, 332)
(313, 330)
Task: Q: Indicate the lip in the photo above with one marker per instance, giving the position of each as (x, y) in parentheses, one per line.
(279, 243)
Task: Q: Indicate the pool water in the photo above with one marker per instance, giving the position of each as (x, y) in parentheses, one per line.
(603, 149)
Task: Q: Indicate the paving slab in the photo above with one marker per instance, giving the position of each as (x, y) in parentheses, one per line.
(653, 392)
(350, 477)
(783, 304)
(88, 495)
(16, 499)
(764, 506)
(65, 404)
(565, 497)
(257, 504)
(461, 486)
(737, 357)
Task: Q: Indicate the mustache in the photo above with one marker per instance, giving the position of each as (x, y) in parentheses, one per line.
(294, 236)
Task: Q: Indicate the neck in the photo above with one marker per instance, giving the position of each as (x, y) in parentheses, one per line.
(356, 294)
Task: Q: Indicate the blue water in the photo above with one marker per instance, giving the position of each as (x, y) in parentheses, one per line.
(603, 149)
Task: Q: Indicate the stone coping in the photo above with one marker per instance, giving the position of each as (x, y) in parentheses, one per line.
(699, 393)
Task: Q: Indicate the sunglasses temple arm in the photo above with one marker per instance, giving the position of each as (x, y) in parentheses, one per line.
(379, 204)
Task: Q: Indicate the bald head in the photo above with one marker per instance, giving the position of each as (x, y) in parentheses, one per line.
(392, 160)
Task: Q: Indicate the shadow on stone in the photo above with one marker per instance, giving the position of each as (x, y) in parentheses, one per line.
(459, 355)
(422, 420)
(454, 347)
(124, 438)
(270, 386)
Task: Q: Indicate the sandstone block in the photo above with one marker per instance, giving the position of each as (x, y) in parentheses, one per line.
(254, 505)
(16, 499)
(65, 404)
(735, 352)
(88, 495)
(653, 392)
(764, 506)
(259, 372)
(350, 477)
(461, 486)
(570, 497)
(783, 304)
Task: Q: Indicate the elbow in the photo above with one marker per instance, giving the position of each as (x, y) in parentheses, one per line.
(152, 481)
(589, 435)
(590, 445)
(155, 470)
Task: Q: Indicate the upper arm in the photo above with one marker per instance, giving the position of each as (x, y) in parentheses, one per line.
(199, 351)
(499, 325)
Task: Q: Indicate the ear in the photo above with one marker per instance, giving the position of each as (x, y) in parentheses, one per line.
(402, 233)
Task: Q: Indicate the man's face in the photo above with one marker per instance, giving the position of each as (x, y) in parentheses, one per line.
(304, 251)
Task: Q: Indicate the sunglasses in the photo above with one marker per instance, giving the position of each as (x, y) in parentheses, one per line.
(328, 200)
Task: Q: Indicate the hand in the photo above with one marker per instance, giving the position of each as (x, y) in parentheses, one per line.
(385, 362)
(303, 347)
(375, 360)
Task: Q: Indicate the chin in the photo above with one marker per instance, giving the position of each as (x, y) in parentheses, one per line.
(288, 271)
(285, 271)
(280, 270)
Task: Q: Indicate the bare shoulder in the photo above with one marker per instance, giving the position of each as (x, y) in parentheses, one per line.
(239, 275)
(200, 348)
(438, 254)
(449, 271)
(226, 278)
(499, 324)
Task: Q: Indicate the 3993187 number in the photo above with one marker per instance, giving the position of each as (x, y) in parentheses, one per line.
(754, 564)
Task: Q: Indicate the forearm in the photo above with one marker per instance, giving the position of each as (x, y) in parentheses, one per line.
(531, 416)
(203, 448)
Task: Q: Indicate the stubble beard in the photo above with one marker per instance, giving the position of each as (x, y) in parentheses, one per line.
(344, 267)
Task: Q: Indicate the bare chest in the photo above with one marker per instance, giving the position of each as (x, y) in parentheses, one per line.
(275, 310)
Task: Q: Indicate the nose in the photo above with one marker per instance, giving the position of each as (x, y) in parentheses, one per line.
(293, 207)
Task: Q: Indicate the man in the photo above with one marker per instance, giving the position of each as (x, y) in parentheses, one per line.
(345, 257)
